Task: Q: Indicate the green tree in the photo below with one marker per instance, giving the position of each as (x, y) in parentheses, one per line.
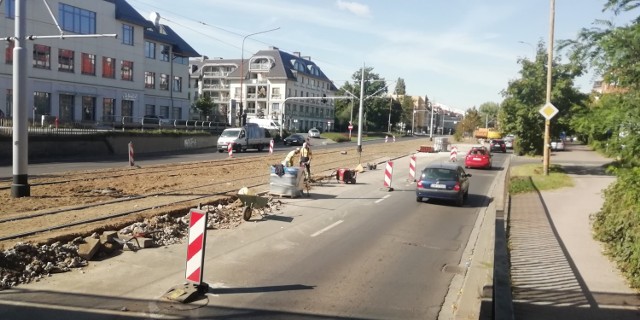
(613, 51)
(524, 96)
(470, 122)
(489, 113)
(204, 105)
(376, 110)
(401, 88)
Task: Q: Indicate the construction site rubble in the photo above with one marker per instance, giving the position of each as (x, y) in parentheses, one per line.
(27, 262)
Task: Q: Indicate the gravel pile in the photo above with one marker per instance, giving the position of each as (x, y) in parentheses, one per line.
(27, 262)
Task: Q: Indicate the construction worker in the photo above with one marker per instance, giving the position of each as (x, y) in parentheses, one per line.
(288, 160)
(305, 158)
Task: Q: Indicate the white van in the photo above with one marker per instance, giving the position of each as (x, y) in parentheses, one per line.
(264, 123)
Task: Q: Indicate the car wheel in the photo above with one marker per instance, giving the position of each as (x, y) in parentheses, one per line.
(460, 200)
(419, 199)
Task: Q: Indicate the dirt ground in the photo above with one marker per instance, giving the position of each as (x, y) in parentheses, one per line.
(160, 187)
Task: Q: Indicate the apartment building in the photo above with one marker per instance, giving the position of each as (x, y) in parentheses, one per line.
(210, 78)
(269, 80)
(97, 80)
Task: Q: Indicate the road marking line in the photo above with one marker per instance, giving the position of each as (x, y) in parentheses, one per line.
(380, 200)
(327, 228)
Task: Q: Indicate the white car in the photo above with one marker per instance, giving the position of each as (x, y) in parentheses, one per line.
(557, 145)
(314, 133)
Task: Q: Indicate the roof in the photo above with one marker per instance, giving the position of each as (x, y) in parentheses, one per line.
(165, 34)
(287, 66)
(125, 12)
(442, 165)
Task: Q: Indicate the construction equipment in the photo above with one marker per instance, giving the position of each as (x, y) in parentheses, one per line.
(251, 202)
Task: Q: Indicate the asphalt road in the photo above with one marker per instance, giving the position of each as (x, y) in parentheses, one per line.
(347, 252)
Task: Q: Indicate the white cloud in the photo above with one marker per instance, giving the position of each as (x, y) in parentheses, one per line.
(358, 9)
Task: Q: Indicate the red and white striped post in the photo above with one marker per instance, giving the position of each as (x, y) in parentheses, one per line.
(131, 162)
(388, 174)
(453, 157)
(196, 246)
(271, 147)
(230, 149)
(412, 168)
(386, 138)
(394, 138)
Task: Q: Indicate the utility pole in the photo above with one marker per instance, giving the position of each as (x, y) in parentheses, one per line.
(360, 113)
(545, 160)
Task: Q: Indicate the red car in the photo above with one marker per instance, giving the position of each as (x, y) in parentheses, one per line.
(478, 157)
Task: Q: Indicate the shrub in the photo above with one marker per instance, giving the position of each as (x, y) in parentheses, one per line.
(617, 224)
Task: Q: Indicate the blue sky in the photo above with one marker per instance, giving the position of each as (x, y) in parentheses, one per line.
(460, 53)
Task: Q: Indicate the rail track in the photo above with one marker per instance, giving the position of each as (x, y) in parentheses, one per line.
(210, 181)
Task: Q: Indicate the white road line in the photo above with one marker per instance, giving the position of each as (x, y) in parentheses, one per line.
(327, 228)
(380, 200)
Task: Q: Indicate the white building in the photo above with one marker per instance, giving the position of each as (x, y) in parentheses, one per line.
(97, 80)
(267, 80)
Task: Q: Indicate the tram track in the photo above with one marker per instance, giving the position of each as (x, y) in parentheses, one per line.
(210, 180)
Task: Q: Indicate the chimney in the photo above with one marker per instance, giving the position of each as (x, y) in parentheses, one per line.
(296, 53)
(307, 58)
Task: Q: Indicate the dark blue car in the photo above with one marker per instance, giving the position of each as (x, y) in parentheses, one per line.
(294, 140)
(446, 181)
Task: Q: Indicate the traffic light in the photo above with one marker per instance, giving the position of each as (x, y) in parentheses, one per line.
(324, 98)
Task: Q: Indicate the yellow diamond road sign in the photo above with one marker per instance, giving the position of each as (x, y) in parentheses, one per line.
(548, 111)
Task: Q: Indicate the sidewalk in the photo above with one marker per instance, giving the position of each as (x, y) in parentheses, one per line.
(558, 271)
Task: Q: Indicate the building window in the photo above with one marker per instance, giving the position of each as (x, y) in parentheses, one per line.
(10, 8)
(177, 84)
(164, 111)
(41, 56)
(88, 108)
(127, 34)
(108, 67)
(88, 64)
(150, 80)
(127, 70)
(164, 82)
(164, 53)
(149, 109)
(9, 102)
(108, 109)
(65, 60)
(8, 52)
(127, 111)
(176, 113)
(76, 20)
(66, 107)
(150, 49)
(41, 103)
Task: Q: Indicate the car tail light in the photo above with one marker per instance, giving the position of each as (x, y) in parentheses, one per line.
(457, 186)
(419, 184)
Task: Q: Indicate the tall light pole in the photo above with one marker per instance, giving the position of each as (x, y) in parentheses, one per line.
(545, 160)
(431, 122)
(242, 68)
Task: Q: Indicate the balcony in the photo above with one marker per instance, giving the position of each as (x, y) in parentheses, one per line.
(259, 67)
(215, 86)
(215, 74)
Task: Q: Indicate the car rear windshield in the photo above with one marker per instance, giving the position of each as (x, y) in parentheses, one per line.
(479, 152)
(440, 174)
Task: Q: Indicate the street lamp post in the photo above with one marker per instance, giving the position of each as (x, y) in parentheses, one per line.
(547, 122)
(242, 67)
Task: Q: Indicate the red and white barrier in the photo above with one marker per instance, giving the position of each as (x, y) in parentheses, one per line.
(195, 249)
(412, 168)
(271, 147)
(386, 138)
(453, 156)
(230, 149)
(388, 174)
(394, 138)
(131, 162)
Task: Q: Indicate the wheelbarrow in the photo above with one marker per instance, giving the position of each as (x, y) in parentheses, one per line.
(250, 202)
